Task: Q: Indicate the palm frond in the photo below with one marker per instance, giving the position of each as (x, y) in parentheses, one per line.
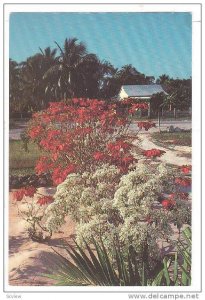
(53, 70)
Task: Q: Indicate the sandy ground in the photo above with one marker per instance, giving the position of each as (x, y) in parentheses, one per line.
(28, 259)
(175, 156)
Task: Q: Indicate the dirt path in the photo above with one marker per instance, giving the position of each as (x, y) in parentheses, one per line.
(28, 259)
(176, 156)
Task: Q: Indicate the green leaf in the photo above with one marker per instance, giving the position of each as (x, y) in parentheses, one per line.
(167, 263)
(176, 269)
(157, 281)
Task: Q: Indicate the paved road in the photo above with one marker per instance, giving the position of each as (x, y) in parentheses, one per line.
(14, 134)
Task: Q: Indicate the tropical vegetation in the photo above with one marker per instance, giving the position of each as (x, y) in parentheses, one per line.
(94, 267)
(125, 204)
(69, 71)
(113, 196)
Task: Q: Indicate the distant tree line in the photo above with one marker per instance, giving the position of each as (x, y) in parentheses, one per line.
(70, 71)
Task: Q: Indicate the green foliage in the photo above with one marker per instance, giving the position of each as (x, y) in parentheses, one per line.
(95, 267)
(179, 90)
(177, 267)
(156, 103)
(45, 77)
(70, 71)
(103, 203)
(184, 249)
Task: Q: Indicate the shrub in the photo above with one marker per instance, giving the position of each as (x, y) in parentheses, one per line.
(108, 205)
(33, 211)
(81, 135)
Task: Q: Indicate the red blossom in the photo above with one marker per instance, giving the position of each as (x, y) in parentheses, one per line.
(127, 160)
(26, 191)
(55, 156)
(153, 153)
(131, 102)
(18, 195)
(118, 146)
(185, 169)
(57, 108)
(45, 200)
(146, 125)
(99, 156)
(44, 164)
(46, 117)
(84, 129)
(30, 191)
(122, 162)
(136, 106)
(168, 203)
(60, 174)
(75, 101)
(35, 132)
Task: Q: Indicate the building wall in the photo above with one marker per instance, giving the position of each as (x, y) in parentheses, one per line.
(122, 94)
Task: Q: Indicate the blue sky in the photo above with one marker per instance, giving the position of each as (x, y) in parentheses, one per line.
(154, 43)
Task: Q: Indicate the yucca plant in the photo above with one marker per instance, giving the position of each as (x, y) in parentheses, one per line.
(95, 267)
(88, 266)
(184, 250)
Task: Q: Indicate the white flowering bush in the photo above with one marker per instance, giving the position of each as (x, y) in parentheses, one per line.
(83, 197)
(123, 209)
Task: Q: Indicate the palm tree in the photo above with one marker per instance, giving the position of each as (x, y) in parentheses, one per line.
(49, 60)
(36, 89)
(96, 75)
(129, 75)
(32, 78)
(14, 85)
(109, 84)
(49, 54)
(68, 69)
(163, 79)
(17, 102)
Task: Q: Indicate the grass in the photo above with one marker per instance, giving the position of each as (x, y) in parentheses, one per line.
(173, 138)
(20, 161)
(21, 172)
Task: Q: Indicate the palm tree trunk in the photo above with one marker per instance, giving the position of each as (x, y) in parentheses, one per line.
(69, 78)
(159, 120)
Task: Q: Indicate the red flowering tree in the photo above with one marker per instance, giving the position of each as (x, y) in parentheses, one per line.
(82, 134)
(76, 137)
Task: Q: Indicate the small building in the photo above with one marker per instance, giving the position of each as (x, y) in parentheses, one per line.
(141, 92)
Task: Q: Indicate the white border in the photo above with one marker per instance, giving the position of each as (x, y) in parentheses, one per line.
(196, 15)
